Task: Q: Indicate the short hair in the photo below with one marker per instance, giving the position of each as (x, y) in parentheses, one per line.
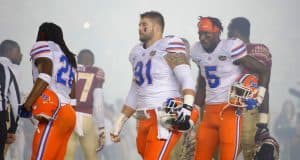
(215, 22)
(155, 16)
(6, 46)
(242, 25)
(85, 51)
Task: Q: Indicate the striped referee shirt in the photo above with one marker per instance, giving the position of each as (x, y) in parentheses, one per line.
(9, 89)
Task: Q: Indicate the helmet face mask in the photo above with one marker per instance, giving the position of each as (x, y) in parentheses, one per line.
(245, 88)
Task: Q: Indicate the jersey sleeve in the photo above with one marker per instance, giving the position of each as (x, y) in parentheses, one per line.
(237, 49)
(194, 53)
(41, 49)
(132, 54)
(99, 77)
(131, 96)
(175, 45)
(261, 53)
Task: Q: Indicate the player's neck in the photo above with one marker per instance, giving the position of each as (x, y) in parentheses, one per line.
(211, 49)
(245, 40)
(154, 39)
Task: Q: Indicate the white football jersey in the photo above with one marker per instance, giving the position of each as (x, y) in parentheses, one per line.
(62, 73)
(154, 79)
(218, 69)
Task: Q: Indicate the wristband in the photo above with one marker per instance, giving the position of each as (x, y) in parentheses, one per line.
(45, 77)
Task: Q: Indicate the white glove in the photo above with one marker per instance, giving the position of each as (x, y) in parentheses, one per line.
(101, 140)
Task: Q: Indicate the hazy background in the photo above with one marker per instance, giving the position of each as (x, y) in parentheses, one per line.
(110, 29)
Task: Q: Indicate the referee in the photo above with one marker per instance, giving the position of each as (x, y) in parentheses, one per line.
(9, 92)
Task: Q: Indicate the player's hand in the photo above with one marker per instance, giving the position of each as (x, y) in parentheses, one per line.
(251, 103)
(184, 126)
(11, 137)
(262, 132)
(183, 121)
(22, 112)
(115, 138)
(101, 140)
(184, 113)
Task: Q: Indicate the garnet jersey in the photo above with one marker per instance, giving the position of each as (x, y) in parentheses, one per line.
(261, 53)
(88, 79)
(153, 79)
(218, 69)
(62, 72)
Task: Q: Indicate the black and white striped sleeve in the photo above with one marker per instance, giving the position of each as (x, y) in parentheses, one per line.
(14, 95)
(3, 87)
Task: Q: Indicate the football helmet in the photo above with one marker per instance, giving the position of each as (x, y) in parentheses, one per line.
(168, 113)
(244, 88)
(46, 106)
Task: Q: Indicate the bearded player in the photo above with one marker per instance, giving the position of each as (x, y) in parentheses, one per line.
(161, 71)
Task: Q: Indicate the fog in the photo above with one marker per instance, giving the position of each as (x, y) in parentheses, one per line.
(110, 30)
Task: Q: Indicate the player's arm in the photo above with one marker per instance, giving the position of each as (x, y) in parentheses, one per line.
(200, 90)
(255, 66)
(44, 66)
(182, 70)
(14, 100)
(264, 72)
(72, 95)
(127, 111)
(98, 108)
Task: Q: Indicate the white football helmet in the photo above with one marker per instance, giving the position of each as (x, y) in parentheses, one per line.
(244, 88)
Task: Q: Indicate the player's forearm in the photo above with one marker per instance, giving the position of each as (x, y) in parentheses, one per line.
(200, 92)
(36, 91)
(73, 91)
(263, 110)
(127, 111)
(98, 107)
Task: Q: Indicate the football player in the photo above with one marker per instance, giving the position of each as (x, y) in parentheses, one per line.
(220, 64)
(53, 94)
(185, 147)
(239, 27)
(89, 130)
(160, 72)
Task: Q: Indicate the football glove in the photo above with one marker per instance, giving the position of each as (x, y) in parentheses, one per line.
(101, 140)
(184, 113)
(251, 103)
(23, 113)
(183, 121)
(262, 133)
